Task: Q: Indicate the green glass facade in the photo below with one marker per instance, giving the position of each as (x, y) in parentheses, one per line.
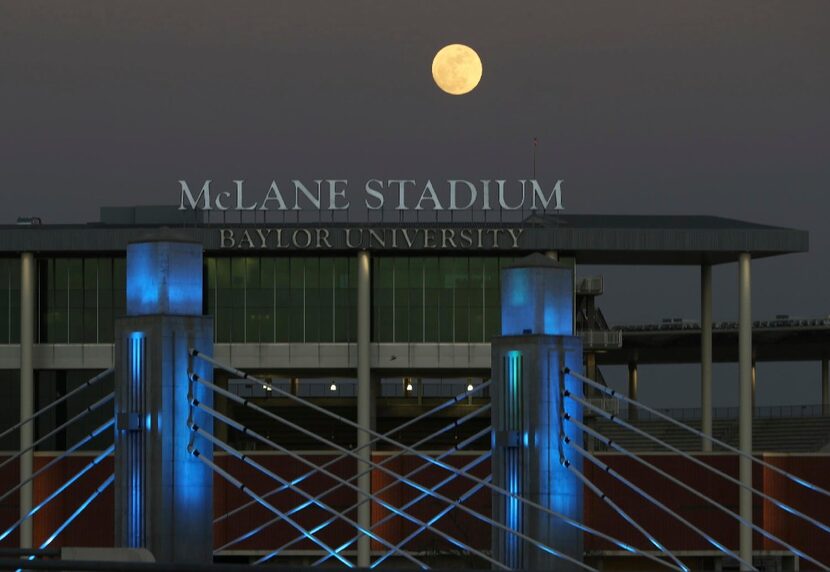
(9, 300)
(449, 299)
(297, 299)
(79, 298)
(282, 299)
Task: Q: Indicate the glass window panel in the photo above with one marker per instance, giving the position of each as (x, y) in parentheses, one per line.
(401, 299)
(282, 293)
(312, 299)
(14, 300)
(119, 286)
(416, 300)
(432, 308)
(297, 300)
(326, 299)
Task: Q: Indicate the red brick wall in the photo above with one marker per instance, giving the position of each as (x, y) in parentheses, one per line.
(94, 528)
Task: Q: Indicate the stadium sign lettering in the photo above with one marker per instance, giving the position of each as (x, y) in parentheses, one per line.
(272, 238)
(397, 194)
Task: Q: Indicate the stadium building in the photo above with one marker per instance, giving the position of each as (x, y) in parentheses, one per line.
(286, 309)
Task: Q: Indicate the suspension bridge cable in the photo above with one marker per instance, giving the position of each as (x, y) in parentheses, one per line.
(384, 462)
(611, 443)
(469, 466)
(91, 435)
(625, 516)
(59, 490)
(59, 428)
(241, 486)
(59, 400)
(78, 511)
(488, 520)
(315, 407)
(613, 393)
(441, 514)
(247, 459)
(641, 492)
(332, 519)
(783, 506)
(247, 431)
(450, 402)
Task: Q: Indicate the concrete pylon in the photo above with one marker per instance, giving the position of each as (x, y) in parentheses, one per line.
(537, 342)
(163, 495)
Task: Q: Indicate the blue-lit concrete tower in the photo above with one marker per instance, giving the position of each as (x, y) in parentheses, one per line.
(537, 341)
(163, 495)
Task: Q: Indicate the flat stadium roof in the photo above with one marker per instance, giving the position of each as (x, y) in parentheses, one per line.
(678, 341)
(590, 239)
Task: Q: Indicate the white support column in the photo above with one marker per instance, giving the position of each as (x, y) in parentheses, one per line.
(706, 354)
(27, 388)
(745, 401)
(825, 386)
(633, 382)
(364, 402)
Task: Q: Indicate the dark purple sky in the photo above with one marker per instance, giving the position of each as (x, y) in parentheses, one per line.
(700, 107)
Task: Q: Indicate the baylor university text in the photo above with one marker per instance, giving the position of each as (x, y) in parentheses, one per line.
(400, 194)
(359, 238)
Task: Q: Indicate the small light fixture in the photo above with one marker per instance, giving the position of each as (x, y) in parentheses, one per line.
(470, 387)
(409, 386)
(333, 387)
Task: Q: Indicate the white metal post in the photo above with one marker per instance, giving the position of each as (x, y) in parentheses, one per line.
(633, 382)
(745, 402)
(27, 390)
(364, 403)
(706, 354)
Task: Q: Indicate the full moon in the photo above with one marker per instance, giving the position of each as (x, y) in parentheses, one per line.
(456, 69)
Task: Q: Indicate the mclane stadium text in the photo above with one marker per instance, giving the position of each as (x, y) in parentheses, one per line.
(405, 194)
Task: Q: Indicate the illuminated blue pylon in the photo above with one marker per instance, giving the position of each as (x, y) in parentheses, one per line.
(163, 495)
(537, 341)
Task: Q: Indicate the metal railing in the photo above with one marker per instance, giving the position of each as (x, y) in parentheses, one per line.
(731, 413)
(601, 339)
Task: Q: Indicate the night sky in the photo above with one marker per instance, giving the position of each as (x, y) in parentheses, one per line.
(646, 107)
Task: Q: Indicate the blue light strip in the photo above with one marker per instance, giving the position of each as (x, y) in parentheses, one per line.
(59, 490)
(78, 511)
(132, 443)
(513, 459)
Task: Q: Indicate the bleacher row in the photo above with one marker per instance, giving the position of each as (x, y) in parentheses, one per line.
(681, 324)
(776, 435)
